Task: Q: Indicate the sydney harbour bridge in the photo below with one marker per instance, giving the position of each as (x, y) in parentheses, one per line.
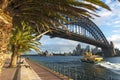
(86, 31)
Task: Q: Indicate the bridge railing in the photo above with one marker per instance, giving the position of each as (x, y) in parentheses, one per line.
(73, 72)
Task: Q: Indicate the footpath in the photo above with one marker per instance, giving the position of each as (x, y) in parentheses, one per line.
(45, 73)
(29, 70)
(7, 73)
(27, 73)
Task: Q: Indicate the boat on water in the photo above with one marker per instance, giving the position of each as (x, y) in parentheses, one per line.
(91, 58)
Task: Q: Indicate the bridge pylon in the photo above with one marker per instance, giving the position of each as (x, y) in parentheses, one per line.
(109, 51)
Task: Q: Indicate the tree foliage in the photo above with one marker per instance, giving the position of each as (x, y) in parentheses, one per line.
(45, 14)
(23, 40)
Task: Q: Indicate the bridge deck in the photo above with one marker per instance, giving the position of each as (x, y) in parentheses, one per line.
(44, 73)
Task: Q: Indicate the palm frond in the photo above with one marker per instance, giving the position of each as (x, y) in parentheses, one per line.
(22, 39)
(50, 13)
(99, 3)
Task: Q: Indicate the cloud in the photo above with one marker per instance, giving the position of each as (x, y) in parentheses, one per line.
(115, 39)
(117, 22)
(58, 41)
(116, 31)
(57, 44)
(117, 26)
(109, 17)
(109, 22)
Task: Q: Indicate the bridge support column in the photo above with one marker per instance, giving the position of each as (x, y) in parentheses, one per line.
(109, 51)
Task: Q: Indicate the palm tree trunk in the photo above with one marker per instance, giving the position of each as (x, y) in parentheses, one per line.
(14, 60)
(14, 57)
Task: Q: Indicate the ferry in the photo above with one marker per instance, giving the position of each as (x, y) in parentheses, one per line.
(91, 58)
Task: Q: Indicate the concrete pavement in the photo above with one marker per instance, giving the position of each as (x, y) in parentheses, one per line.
(27, 73)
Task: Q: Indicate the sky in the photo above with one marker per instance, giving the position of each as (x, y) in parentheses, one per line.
(108, 22)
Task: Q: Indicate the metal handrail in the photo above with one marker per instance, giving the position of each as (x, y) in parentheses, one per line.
(71, 71)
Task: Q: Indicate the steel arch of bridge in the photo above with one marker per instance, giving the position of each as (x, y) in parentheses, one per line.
(84, 30)
(86, 25)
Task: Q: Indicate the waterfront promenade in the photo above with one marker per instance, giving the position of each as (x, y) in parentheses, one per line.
(29, 70)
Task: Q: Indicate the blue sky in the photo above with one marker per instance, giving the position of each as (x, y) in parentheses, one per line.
(109, 23)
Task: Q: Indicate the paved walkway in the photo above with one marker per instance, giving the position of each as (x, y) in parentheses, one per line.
(29, 70)
(44, 73)
(7, 73)
(27, 73)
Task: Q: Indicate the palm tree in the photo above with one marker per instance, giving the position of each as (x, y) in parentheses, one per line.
(22, 41)
(41, 15)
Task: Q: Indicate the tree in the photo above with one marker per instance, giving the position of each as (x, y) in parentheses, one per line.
(41, 15)
(22, 41)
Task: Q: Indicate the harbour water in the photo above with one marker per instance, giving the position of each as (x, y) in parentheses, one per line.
(109, 69)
